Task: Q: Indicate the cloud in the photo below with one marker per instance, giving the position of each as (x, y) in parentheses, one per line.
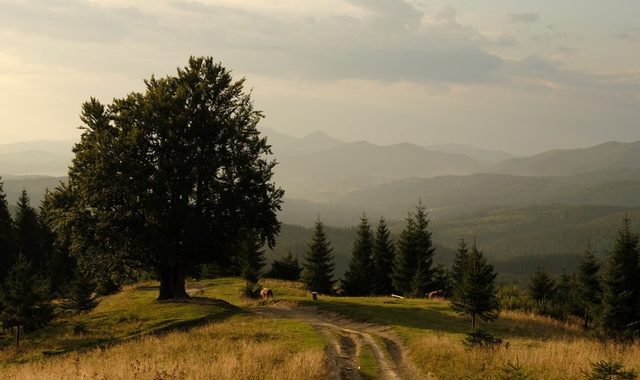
(524, 17)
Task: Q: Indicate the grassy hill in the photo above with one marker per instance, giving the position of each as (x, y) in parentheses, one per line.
(223, 336)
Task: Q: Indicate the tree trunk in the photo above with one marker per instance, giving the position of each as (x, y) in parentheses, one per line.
(473, 321)
(586, 318)
(172, 282)
(18, 337)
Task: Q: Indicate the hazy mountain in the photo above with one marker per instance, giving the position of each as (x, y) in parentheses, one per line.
(607, 156)
(285, 145)
(36, 186)
(362, 163)
(483, 155)
(36, 158)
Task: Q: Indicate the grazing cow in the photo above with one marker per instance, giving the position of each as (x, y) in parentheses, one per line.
(266, 293)
(436, 294)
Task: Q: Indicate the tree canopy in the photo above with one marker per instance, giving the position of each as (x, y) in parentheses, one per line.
(170, 178)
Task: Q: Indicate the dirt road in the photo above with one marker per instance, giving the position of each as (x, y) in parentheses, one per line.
(346, 340)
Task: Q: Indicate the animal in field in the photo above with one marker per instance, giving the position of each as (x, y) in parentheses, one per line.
(435, 294)
(266, 293)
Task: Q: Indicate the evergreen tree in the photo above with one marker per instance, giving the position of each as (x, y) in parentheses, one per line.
(403, 268)
(29, 233)
(422, 280)
(252, 260)
(382, 261)
(288, 268)
(61, 266)
(80, 294)
(565, 297)
(542, 287)
(457, 267)
(412, 268)
(25, 299)
(358, 278)
(588, 290)
(442, 279)
(476, 294)
(620, 283)
(7, 243)
(319, 265)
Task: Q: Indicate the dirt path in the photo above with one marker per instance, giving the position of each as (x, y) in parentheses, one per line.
(346, 340)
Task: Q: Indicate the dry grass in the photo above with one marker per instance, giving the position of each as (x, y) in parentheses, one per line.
(444, 357)
(243, 347)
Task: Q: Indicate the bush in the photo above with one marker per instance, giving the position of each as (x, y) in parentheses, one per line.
(610, 370)
(511, 371)
(481, 338)
(251, 290)
(511, 297)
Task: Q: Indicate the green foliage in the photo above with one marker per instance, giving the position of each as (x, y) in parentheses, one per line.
(542, 288)
(512, 297)
(319, 266)
(288, 268)
(476, 295)
(412, 268)
(481, 338)
(25, 299)
(358, 278)
(442, 279)
(251, 290)
(172, 177)
(80, 295)
(252, 260)
(458, 263)
(588, 287)
(610, 370)
(29, 234)
(620, 299)
(383, 252)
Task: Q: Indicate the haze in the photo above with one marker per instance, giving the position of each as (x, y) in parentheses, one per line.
(521, 77)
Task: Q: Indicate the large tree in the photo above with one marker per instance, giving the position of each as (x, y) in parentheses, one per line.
(358, 277)
(382, 260)
(476, 295)
(319, 265)
(620, 296)
(171, 177)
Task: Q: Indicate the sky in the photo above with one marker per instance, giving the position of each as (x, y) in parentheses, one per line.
(522, 76)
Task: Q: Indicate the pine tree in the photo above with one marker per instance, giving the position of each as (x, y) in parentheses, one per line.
(25, 299)
(7, 242)
(620, 283)
(252, 262)
(476, 294)
(422, 279)
(29, 233)
(442, 279)
(288, 268)
(358, 278)
(403, 263)
(80, 295)
(319, 265)
(565, 296)
(542, 287)
(383, 252)
(589, 290)
(457, 267)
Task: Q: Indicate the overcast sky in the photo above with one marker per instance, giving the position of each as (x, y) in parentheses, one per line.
(519, 76)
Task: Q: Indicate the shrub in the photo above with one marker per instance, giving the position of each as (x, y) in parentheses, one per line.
(610, 370)
(514, 371)
(481, 338)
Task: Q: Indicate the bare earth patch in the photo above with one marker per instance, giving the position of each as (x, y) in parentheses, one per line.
(346, 340)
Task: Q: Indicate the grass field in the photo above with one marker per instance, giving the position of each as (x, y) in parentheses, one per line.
(130, 335)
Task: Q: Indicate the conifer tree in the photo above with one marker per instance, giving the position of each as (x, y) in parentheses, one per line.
(29, 234)
(403, 263)
(589, 290)
(383, 252)
(476, 294)
(620, 296)
(319, 265)
(7, 243)
(80, 293)
(423, 277)
(288, 268)
(542, 287)
(358, 278)
(457, 266)
(252, 262)
(565, 296)
(25, 299)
